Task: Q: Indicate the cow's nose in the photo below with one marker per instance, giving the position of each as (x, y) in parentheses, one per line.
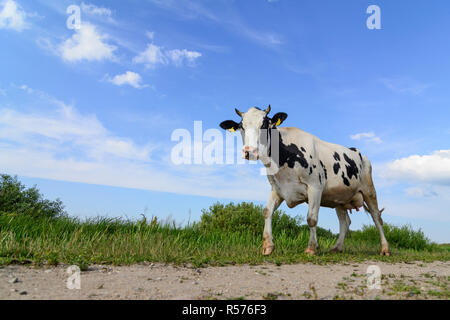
(250, 153)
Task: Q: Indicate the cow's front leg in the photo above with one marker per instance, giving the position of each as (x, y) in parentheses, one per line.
(314, 199)
(274, 202)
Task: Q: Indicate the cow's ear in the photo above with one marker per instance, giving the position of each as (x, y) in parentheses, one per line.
(229, 125)
(278, 119)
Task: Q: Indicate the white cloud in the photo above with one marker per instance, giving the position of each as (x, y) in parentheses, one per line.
(427, 208)
(87, 44)
(367, 136)
(155, 55)
(64, 144)
(404, 85)
(12, 16)
(94, 10)
(129, 78)
(420, 192)
(64, 127)
(194, 10)
(152, 56)
(24, 87)
(150, 35)
(178, 57)
(433, 168)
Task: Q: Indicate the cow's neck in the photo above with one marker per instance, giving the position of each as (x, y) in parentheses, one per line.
(266, 157)
(285, 155)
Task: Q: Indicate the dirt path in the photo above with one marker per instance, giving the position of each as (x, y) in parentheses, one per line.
(300, 281)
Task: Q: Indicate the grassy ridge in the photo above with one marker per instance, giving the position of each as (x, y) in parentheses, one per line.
(26, 239)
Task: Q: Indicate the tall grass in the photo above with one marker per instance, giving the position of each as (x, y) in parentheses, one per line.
(36, 230)
(28, 239)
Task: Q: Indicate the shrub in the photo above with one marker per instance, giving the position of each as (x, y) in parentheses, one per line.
(16, 199)
(248, 217)
(398, 237)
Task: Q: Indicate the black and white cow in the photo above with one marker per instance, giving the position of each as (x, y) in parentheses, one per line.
(304, 168)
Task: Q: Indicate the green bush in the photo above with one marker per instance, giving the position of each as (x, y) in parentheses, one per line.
(398, 237)
(16, 199)
(248, 217)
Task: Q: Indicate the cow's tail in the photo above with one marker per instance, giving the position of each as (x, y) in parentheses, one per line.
(368, 211)
(369, 192)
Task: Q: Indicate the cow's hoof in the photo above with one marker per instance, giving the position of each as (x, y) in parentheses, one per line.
(385, 252)
(310, 251)
(267, 249)
(336, 250)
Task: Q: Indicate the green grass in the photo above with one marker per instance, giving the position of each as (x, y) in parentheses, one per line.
(34, 230)
(35, 240)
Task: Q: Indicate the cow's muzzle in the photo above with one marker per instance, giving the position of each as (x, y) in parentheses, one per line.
(250, 153)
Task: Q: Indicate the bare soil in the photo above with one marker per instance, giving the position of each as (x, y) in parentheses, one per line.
(417, 280)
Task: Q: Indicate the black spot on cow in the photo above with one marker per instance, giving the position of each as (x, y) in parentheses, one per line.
(310, 170)
(310, 156)
(321, 163)
(320, 179)
(314, 166)
(336, 168)
(303, 149)
(346, 182)
(359, 153)
(336, 156)
(352, 169)
(291, 154)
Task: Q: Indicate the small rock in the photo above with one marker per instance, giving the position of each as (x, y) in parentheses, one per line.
(410, 294)
(195, 282)
(22, 293)
(14, 280)
(198, 271)
(48, 271)
(14, 290)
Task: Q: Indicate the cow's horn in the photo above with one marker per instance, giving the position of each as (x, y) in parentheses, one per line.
(238, 112)
(267, 111)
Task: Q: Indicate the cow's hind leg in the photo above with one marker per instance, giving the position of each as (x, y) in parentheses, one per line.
(274, 202)
(344, 225)
(370, 198)
(314, 199)
(372, 207)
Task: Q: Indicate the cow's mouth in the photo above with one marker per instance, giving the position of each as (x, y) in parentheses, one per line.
(250, 154)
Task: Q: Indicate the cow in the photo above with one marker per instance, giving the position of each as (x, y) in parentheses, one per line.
(302, 168)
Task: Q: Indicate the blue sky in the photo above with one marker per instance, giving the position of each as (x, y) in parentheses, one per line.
(88, 114)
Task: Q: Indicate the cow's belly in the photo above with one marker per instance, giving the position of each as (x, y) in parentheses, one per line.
(347, 198)
(290, 189)
(294, 192)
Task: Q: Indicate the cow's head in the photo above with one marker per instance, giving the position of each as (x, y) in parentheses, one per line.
(254, 127)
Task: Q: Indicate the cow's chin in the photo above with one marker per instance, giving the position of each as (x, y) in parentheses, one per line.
(250, 156)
